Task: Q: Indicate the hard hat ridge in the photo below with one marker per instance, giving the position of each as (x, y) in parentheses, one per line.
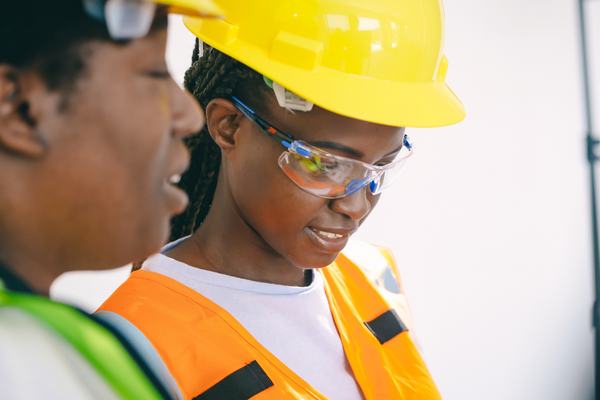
(378, 61)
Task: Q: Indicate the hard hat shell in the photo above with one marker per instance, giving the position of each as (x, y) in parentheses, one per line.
(374, 60)
(198, 8)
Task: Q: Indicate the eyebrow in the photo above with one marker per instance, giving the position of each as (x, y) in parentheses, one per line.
(340, 147)
(349, 150)
(393, 151)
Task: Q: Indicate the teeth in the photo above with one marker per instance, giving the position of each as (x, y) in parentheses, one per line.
(174, 179)
(330, 235)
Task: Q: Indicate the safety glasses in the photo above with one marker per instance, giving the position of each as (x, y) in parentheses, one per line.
(132, 19)
(327, 175)
(125, 19)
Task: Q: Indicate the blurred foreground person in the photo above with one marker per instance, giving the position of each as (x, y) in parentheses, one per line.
(91, 140)
(306, 106)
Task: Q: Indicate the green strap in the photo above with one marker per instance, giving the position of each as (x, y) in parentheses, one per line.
(95, 343)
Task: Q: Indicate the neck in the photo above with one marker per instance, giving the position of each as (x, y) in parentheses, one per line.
(25, 248)
(32, 259)
(33, 254)
(12, 282)
(226, 244)
(25, 277)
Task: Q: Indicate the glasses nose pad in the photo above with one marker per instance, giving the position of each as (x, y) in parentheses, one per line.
(374, 186)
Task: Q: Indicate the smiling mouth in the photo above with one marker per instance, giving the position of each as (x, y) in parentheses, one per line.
(328, 235)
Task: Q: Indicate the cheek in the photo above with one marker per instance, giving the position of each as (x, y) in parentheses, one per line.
(143, 131)
(123, 167)
(269, 201)
(140, 164)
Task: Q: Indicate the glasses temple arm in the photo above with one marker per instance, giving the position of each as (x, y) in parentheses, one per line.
(267, 128)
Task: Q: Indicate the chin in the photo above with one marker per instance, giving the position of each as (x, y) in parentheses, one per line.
(152, 241)
(317, 261)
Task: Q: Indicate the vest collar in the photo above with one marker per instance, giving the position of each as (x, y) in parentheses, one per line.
(12, 282)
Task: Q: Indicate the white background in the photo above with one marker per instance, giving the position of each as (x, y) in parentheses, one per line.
(491, 222)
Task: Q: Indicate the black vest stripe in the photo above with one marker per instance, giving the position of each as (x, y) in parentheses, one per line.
(240, 385)
(387, 326)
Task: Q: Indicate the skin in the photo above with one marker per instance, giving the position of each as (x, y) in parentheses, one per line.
(86, 188)
(260, 226)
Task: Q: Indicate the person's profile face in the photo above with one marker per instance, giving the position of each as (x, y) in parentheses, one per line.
(293, 222)
(114, 150)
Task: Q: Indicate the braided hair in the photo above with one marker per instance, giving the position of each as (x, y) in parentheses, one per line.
(214, 75)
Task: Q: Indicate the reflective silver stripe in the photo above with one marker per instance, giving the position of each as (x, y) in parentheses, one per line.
(144, 348)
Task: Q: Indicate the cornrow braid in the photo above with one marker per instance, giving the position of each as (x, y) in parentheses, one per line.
(214, 75)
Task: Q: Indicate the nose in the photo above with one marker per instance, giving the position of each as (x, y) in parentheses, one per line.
(187, 116)
(355, 207)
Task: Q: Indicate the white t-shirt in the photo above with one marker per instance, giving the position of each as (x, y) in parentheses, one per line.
(294, 323)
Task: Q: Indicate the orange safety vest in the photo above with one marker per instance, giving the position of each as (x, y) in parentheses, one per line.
(212, 356)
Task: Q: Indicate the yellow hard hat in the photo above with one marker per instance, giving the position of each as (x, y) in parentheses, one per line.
(376, 60)
(198, 8)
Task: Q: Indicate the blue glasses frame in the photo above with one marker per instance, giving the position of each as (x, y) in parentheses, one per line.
(298, 147)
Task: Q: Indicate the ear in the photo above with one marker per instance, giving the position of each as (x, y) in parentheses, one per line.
(17, 127)
(222, 120)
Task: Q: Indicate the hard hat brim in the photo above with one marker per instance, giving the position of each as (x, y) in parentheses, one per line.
(194, 8)
(419, 104)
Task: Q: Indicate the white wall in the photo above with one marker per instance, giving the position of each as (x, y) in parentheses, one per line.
(491, 223)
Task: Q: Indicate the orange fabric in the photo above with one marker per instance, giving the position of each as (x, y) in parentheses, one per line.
(394, 370)
(389, 256)
(201, 343)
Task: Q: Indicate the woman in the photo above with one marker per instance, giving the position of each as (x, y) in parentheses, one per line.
(306, 108)
(86, 103)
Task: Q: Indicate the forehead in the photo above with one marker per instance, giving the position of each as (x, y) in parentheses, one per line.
(138, 53)
(113, 68)
(364, 140)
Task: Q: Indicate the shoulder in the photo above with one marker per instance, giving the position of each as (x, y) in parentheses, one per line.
(35, 362)
(379, 266)
(377, 263)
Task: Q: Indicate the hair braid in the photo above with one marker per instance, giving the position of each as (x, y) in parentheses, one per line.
(212, 75)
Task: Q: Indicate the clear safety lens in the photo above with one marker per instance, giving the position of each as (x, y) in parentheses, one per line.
(125, 19)
(389, 176)
(329, 176)
(129, 19)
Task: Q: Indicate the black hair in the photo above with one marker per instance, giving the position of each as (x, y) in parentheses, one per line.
(46, 36)
(214, 75)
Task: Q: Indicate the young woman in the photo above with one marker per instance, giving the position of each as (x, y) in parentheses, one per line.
(306, 108)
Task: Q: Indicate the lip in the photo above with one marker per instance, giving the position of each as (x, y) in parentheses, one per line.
(339, 231)
(182, 166)
(326, 244)
(177, 198)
